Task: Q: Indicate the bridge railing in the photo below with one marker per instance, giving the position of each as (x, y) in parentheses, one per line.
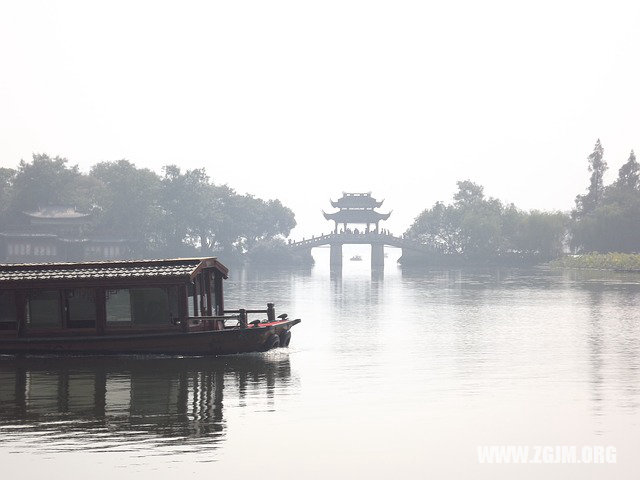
(342, 235)
(360, 237)
(385, 237)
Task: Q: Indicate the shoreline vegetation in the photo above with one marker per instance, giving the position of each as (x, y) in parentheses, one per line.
(181, 213)
(178, 213)
(618, 262)
(476, 230)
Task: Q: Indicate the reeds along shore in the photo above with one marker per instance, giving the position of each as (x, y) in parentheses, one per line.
(627, 262)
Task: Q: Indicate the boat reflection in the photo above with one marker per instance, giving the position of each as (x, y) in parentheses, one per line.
(125, 400)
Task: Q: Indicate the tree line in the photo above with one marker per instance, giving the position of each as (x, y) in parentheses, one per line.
(475, 228)
(176, 213)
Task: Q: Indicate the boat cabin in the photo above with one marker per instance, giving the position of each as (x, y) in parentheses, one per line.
(107, 298)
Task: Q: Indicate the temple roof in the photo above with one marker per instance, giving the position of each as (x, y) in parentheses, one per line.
(356, 216)
(356, 200)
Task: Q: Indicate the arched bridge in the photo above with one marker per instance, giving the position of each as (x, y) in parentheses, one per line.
(375, 239)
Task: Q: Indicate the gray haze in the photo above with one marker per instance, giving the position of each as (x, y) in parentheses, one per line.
(301, 100)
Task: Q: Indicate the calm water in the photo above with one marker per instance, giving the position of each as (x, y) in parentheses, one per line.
(401, 375)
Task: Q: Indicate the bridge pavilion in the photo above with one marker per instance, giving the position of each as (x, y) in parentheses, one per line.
(357, 209)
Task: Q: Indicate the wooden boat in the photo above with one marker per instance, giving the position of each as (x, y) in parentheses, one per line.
(173, 307)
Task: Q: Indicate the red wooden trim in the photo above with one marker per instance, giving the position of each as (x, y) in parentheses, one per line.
(194, 309)
(219, 294)
(207, 287)
(211, 263)
(202, 296)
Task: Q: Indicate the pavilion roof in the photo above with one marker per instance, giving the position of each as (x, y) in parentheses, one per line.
(356, 200)
(356, 216)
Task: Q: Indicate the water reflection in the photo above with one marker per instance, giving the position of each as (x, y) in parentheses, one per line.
(595, 341)
(377, 274)
(123, 401)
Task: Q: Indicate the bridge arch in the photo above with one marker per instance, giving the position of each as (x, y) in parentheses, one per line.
(377, 241)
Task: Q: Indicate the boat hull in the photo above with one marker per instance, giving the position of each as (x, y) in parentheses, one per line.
(210, 342)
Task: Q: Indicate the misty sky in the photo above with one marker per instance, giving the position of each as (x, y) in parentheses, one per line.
(301, 100)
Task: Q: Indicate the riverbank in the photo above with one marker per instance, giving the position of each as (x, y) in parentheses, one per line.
(622, 262)
(411, 259)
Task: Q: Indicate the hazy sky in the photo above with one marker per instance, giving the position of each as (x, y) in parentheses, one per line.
(301, 100)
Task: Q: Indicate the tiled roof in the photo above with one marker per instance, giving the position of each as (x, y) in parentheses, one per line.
(356, 216)
(138, 269)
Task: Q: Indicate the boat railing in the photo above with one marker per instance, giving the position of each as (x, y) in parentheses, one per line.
(212, 322)
(240, 314)
(243, 313)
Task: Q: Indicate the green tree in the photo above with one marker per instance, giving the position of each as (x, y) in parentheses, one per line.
(477, 229)
(439, 228)
(470, 227)
(7, 177)
(127, 204)
(629, 174)
(214, 218)
(178, 213)
(47, 181)
(614, 226)
(246, 220)
(189, 207)
(613, 223)
(586, 204)
(540, 235)
(468, 193)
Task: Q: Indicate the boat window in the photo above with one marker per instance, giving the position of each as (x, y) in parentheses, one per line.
(151, 306)
(143, 306)
(8, 312)
(81, 308)
(43, 309)
(118, 306)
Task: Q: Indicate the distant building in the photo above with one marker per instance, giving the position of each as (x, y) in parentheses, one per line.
(357, 209)
(57, 234)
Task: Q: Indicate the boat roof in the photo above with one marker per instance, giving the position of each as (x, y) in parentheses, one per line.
(139, 270)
